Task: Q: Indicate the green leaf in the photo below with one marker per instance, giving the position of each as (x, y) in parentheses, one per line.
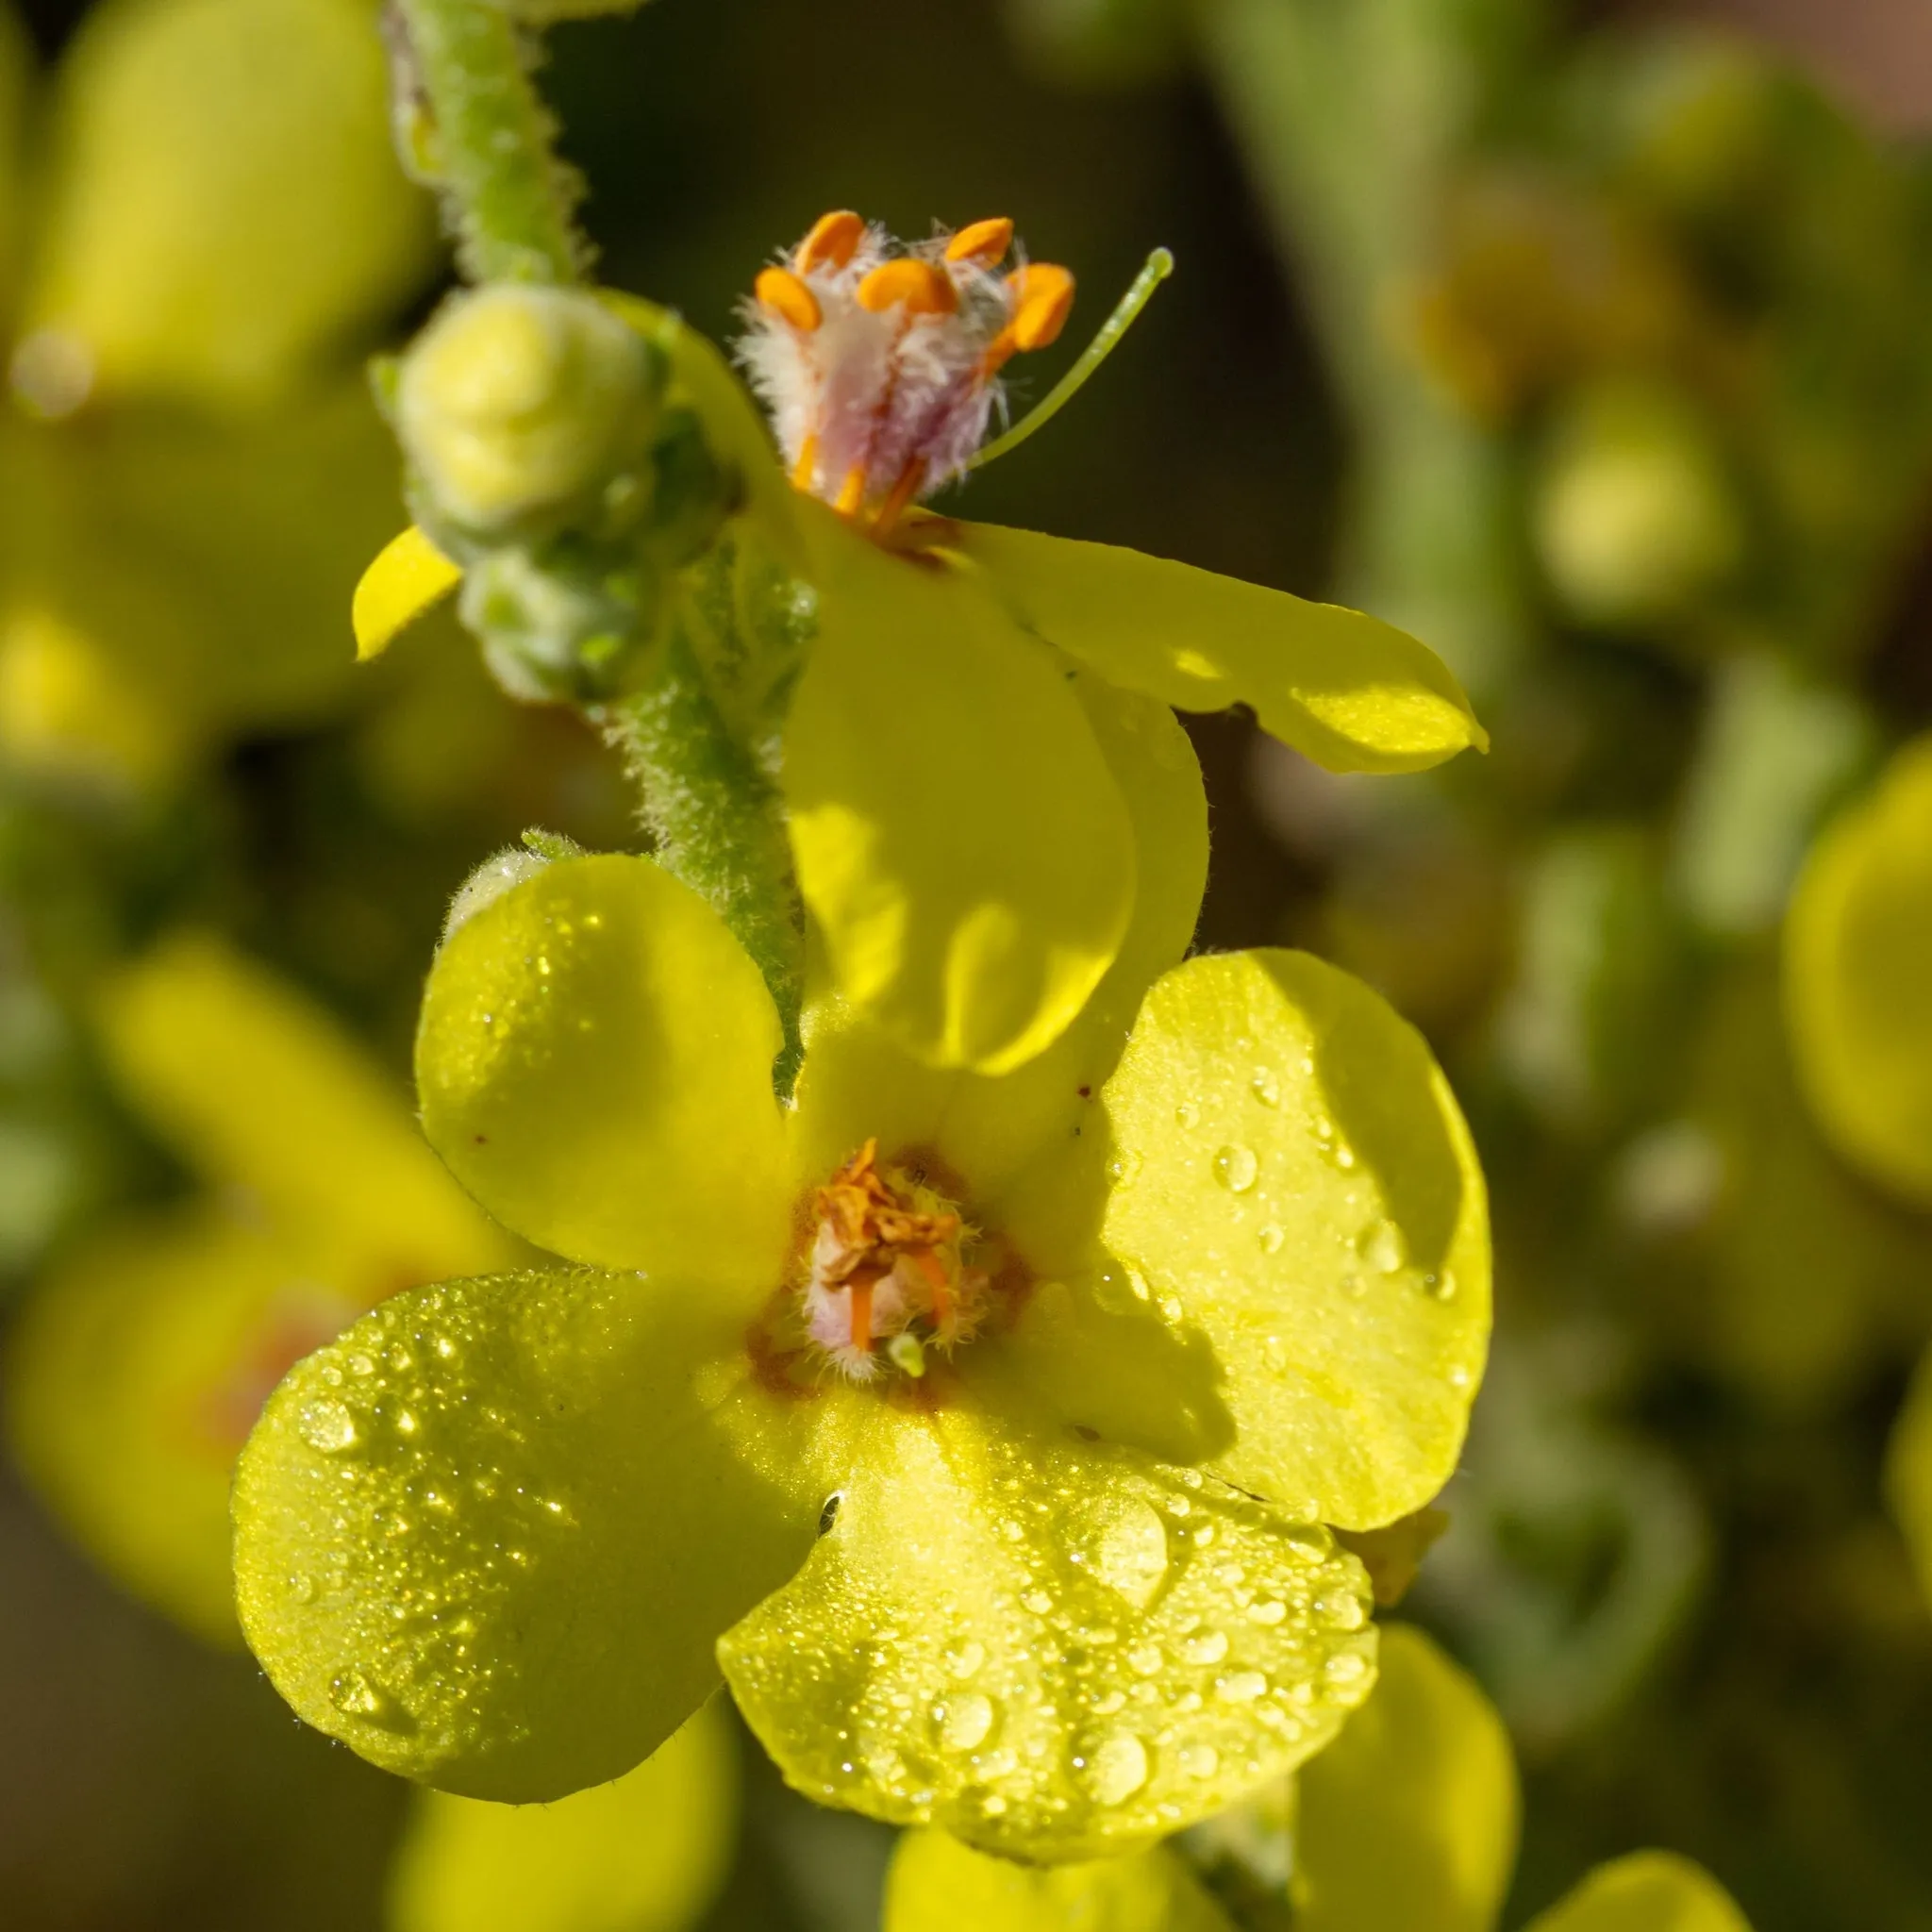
(1647, 1892)
(1350, 692)
(644, 1854)
(1410, 1818)
(937, 1885)
(960, 842)
(1301, 1225)
(489, 1537)
(1051, 1651)
(595, 1063)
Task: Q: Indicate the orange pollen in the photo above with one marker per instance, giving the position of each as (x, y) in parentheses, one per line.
(984, 242)
(1042, 300)
(916, 285)
(834, 239)
(785, 294)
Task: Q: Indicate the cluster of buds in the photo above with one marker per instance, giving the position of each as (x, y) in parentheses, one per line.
(545, 457)
(879, 363)
(885, 1271)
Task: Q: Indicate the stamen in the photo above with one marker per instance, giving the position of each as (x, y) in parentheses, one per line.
(1042, 300)
(985, 243)
(862, 1286)
(785, 294)
(807, 466)
(903, 491)
(1160, 265)
(917, 285)
(852, 492)
(834, 239)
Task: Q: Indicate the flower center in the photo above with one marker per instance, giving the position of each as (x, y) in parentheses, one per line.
(884, 1275)
(879, 362)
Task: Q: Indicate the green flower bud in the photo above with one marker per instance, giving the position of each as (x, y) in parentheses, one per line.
(556, 627)
(518, 404)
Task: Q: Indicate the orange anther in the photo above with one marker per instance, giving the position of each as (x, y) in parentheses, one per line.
(785, 294)
(852, 492)
(807, 466)
(918, 285)
(834, 239)
(985, 243)
(1044, 298)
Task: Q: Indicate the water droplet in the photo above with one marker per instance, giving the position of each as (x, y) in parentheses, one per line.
(1038, 1602)
(1171, 1309)
(1382, 1247)
(1242, 1686)
(1125, 1546)
(1235, 1168)
(301, 1586)
(1441, 1286)
(1270, 1239)
(1205, 1647)
(445, 1347)
(964, 1659)
(1347, 1667)
(326, 1425)
(354, 1695)
(1145, 1658)
(1187, 1115)
(1118, 1768)
(1344, 1157)
(1265, 1086)
(1459, 1377)
(1200, 1760)
(1342, 1608)
(966, 1720)
(1275, 1353)
(1269, 1609)
(361, 1364)
(406, 1423)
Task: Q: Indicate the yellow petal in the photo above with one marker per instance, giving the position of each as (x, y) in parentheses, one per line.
(1647, 1892)
(136, 1373)
(1348, 691)
(258, 1088)
(960, 844)
(224, 202)
(1033, 1644)
(644, 1854)
(936, 1883)
(1857, 993)
(1301, 1224)
(410, 577)
(595, 1063)
(490, 1536)
(999, 1132)
(1410, 1818)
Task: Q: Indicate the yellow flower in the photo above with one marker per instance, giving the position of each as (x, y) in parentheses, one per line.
(192, 459)
(143, 1358)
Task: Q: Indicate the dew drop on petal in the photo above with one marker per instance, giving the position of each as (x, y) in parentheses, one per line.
(1265, 1086)
(963, 1660)
(1125, 1547)
(1244, 1687)
(1382, 1247)
(1235, 1168)
(354, 1695)
(1347, 1667)
(1117, 1766)
(1270, 1239)
(1441, 1286)
(966, 1722)
(1342, 1608)
(326, 1425)
(301, 1586)
(1204, 1647)
(1187, 1115)
(1200, 1760)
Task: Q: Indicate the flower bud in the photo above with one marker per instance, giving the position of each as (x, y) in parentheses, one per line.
(517, 404)
(556, 627)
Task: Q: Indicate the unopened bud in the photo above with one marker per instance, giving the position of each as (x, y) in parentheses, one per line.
(517, 403)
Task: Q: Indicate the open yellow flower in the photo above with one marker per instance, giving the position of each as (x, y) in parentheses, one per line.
(143, 1357)
(1408, 1820)
(959, 842)
(193, 462)
(940, 1407)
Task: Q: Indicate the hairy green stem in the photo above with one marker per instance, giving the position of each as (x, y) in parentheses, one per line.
(492, 140)
(719, 826)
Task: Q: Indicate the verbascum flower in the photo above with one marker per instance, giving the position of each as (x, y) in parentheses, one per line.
(986, 1430)
(218, 217)
(960, 844)
(647, 1853)
(1860, 1012)
(1408, 1818)
(143, 1357)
